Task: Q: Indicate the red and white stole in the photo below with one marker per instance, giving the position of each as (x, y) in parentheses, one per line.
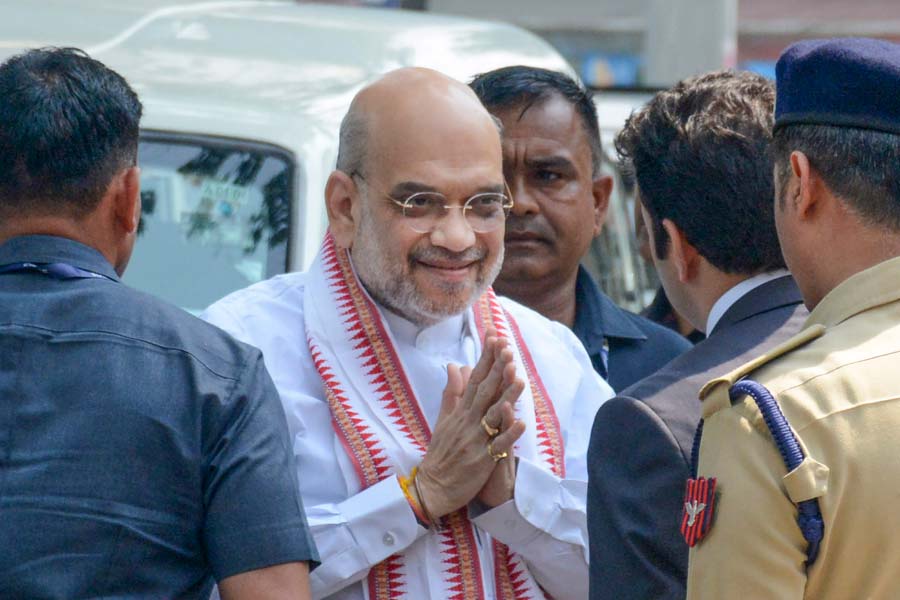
(382, 428)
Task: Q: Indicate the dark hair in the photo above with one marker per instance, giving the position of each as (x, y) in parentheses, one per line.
(701, 153)
(520, 86)
(68, 124)
(861, 166)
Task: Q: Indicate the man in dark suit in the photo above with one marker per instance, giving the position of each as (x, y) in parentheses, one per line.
(701, 157)
(551, 161)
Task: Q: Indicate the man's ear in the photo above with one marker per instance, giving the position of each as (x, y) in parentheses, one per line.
(341, 194)
(682, 253)
(126, 190)
(806, 193)
(601, 190)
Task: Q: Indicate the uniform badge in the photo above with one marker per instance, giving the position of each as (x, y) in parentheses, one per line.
(699, 506)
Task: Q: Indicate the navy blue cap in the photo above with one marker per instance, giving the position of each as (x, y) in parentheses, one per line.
(847, 82)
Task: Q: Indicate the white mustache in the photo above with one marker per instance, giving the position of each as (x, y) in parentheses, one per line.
(438, 255)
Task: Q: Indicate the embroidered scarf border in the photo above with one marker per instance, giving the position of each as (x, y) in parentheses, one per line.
(510, 572)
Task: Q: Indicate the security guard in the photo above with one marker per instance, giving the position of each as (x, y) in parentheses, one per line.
(143, 452)
(798, 479)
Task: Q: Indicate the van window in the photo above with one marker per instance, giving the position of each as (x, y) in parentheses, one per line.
(216, 217)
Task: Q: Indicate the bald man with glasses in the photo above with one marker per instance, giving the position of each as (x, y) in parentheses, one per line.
(441, 432)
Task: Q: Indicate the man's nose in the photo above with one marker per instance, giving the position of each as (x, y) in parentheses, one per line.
(453, 231)
(523, 200)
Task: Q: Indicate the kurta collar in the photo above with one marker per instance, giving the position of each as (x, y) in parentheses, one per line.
(433, 338)
(863, 291)
(50, 249)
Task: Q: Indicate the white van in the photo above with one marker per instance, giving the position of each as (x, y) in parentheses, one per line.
(242, 105)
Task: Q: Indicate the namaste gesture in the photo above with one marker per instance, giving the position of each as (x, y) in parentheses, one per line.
(470, 455)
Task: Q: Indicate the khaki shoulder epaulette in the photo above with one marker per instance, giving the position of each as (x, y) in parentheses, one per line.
(714, 394)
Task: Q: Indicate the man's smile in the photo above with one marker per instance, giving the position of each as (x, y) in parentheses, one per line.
(449, 269)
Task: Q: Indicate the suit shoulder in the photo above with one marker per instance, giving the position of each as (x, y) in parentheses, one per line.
(630, 437)
(624, 408)
(669, 397)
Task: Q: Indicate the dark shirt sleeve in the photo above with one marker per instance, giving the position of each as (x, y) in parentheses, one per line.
(254, 514)
(636, 474)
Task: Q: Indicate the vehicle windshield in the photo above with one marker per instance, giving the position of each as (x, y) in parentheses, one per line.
(215, 218)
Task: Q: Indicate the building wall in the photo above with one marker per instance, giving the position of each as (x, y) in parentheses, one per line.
(632, 35)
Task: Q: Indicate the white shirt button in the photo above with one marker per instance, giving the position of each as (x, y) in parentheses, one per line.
(388, 539)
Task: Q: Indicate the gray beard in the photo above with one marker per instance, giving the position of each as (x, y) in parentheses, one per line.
(390, 287)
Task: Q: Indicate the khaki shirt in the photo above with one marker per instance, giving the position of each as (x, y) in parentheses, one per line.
(838, 384)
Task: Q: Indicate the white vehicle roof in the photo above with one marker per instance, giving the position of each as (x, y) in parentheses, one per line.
(220, 66)
(270, 71)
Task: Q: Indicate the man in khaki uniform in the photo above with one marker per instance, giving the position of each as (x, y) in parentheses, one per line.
(837, 172)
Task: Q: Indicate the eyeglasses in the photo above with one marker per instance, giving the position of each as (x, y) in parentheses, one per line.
(422, 211)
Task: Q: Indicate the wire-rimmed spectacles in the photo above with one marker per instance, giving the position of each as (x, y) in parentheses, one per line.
(422, 211)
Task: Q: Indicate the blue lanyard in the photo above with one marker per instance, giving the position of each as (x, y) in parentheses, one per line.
(56, 270)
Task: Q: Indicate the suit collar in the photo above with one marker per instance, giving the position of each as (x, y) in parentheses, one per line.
(736, 292)
(768, 296)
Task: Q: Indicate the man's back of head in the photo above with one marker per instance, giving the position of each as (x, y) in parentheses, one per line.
(68, 139)
(67, 125)
(702, 160)
(836, 160)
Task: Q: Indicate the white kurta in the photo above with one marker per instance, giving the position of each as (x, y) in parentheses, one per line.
(355, 529)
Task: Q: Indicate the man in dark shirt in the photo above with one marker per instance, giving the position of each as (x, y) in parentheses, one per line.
(551, 159)
(143, 452)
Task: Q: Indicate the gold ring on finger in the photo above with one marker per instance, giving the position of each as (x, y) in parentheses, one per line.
(497, 456)
(491, 432)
